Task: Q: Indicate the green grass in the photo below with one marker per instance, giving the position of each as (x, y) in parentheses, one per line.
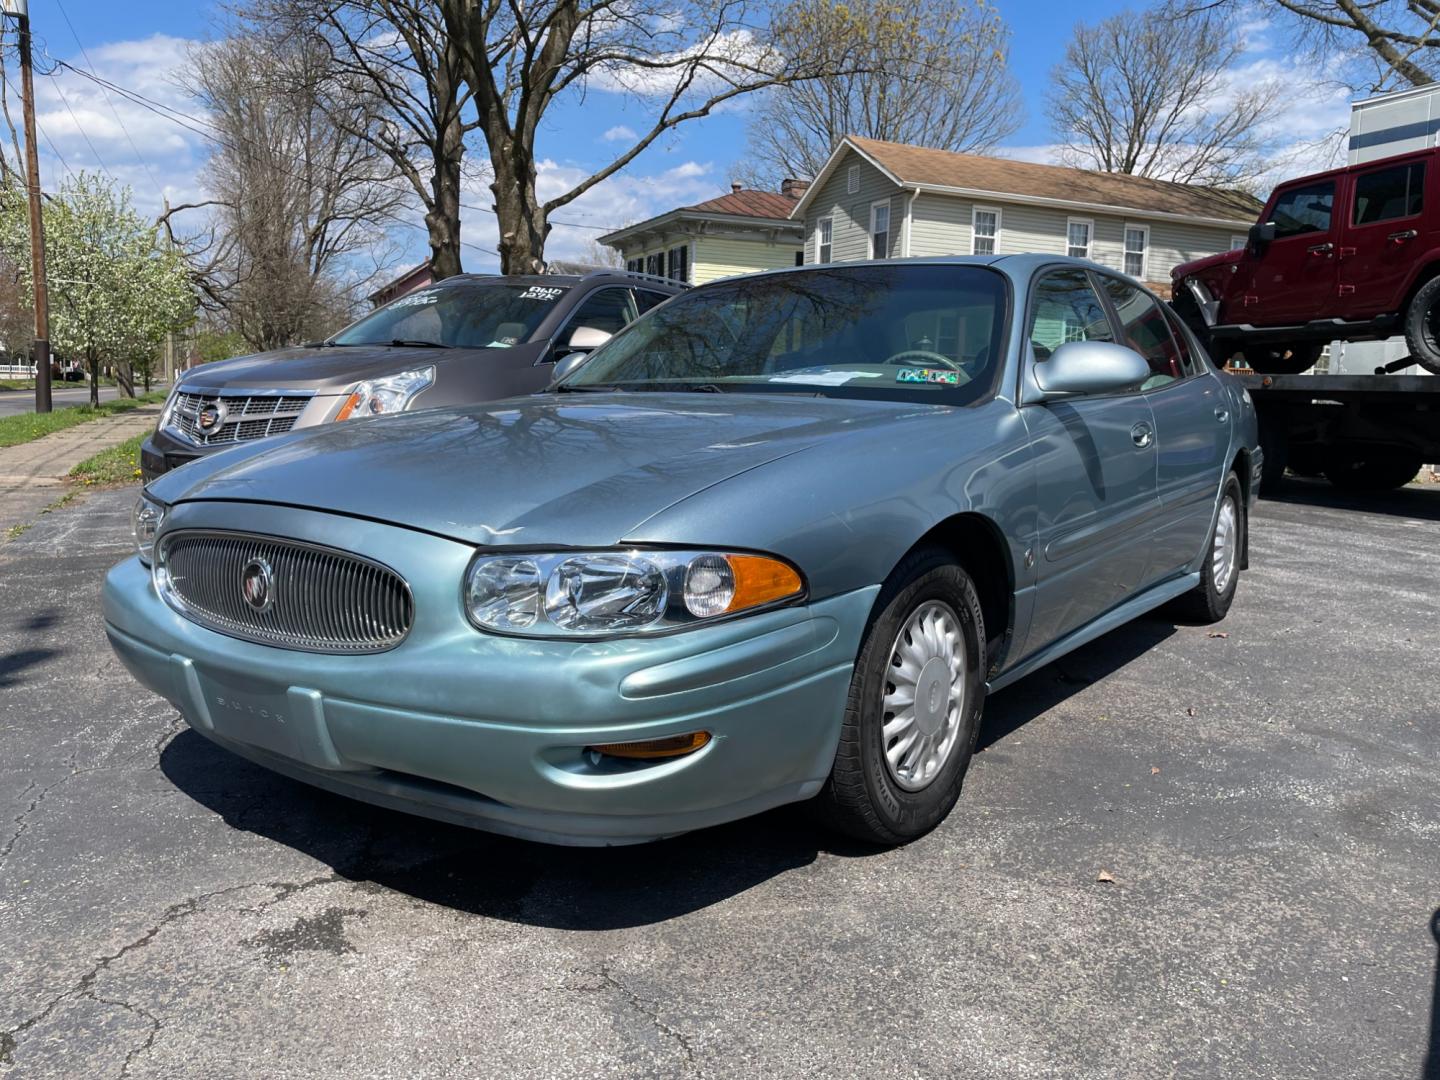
(118, 465)
(24, 427)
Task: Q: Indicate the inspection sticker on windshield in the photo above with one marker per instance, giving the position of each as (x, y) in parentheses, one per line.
(542, 292)
(928, 375)
(824, 378)
(416, 299)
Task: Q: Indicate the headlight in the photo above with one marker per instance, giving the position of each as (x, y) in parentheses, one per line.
(612, 593)
(169, 406)
(147, 518)
(391, 394)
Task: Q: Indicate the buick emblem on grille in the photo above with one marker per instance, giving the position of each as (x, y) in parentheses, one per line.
(211, 416)
(257, 584)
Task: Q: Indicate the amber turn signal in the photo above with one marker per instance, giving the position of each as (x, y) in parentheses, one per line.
(670, 746)
(761, 581)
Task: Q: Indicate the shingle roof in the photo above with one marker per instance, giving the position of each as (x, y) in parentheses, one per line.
(748, 203)
(943, 168)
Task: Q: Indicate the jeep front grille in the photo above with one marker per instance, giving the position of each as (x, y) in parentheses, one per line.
(320, 599)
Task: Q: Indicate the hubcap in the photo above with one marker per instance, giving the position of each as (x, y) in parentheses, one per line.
(1226, 546)
(924, 695)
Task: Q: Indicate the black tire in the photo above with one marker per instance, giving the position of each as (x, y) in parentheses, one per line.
(1422, 326)
(1275, 445)
(1371, 468)
(861, 797)
(1208, 602)
(1281, 359)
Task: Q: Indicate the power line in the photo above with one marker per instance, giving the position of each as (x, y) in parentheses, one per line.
(139, 159)
(54, 150)
(78, 127)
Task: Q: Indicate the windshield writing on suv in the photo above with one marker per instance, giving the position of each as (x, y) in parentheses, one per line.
(478, 315)
(930, 331)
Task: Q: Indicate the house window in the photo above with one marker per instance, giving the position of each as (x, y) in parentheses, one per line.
(636, 266)
(880, 229)
(680, 262)
(1137, 247)
(825, 249)
(1238, 242)
(655, 264)
(984, 230)
(852, 179)
(1077, 238)
(800, 257)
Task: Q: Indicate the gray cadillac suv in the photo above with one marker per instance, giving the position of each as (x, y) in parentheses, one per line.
(466, 339)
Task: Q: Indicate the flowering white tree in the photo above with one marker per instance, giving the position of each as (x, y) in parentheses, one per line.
(115, 292)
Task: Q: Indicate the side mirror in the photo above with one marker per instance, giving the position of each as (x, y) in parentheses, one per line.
(1260, 236)
(566, 364)
(586, 338)
(1090, 367)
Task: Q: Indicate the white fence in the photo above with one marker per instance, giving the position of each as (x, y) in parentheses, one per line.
(17, 371)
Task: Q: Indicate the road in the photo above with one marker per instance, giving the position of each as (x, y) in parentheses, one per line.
(61, 396)
(1263, 794)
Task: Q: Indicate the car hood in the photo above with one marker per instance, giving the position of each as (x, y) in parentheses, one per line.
(1185, 270)
(326, 370)
(553, 469)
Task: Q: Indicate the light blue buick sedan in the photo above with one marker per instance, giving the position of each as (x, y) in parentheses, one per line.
(776, 541)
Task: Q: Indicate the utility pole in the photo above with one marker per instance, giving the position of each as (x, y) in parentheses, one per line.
(19, 10)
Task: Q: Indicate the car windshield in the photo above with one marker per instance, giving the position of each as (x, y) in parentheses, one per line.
(910, 331)
(472, 315)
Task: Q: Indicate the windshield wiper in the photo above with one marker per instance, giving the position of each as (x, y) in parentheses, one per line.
(588, 388)
(417, 343)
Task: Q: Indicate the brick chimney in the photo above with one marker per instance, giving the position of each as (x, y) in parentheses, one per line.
(736, 187)
(794, 188)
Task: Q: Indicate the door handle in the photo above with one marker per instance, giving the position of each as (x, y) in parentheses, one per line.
(1222, 415)
(1142, 434)
(1320, 249)
(1403, 235)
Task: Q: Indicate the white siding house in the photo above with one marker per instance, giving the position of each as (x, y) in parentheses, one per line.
(933, 202)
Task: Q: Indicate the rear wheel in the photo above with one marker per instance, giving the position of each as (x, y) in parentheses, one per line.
(1281, 359)
(1422, 326)
(1210, 601)
(914, 708)
(1371, 468)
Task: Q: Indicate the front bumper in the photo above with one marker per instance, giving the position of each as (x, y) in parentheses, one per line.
(161, 452)
(491, 731)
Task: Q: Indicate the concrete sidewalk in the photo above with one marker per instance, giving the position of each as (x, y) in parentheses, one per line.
(32, 474)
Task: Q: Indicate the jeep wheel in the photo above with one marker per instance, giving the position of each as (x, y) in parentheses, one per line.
(1422, 326)
(1281, 359)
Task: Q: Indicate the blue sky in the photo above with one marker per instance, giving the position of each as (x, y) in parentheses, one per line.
(139, 43)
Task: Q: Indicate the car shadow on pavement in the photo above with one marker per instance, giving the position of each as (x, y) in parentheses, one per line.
(1431, 1069)
(1418, 501)
(1037, 693)
(493, 876)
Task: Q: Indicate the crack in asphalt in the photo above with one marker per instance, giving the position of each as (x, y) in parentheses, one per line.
(10, 1040)
(650, 1010)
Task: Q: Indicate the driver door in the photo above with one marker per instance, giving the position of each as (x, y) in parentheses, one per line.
(1295, 277)
(1095, 471)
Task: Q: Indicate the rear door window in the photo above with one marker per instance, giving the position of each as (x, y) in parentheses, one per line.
(604, 309)
(1303, 210)
(1387, 194)
(645, 299)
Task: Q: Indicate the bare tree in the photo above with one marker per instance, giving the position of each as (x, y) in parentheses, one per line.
(397, 56)
(679, 59)
(928, 73)
(297, 200)
(1151, 93)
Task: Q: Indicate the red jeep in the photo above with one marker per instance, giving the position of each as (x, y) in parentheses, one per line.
(1352, 254)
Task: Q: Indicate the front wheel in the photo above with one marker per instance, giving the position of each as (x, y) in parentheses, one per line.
(914, 708)
(1371, 468)
(1210, 601)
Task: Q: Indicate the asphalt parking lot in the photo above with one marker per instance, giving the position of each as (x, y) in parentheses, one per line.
(1263, 794)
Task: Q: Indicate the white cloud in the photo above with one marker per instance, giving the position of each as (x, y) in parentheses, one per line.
(620, 132)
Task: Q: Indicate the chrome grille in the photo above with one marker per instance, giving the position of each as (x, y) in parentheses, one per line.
(243, 416)
(323, 599)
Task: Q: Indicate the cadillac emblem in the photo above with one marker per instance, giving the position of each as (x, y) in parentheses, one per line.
(257, 585)
(211, 416)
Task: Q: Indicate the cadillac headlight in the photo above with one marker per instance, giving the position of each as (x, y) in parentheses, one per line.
(146, 518)
(392, 394)
(614, 593)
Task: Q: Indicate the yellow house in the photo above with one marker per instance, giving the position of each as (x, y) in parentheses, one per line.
(736, 233)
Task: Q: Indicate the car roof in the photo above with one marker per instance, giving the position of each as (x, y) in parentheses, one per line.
(1014, 266)
(604, 275)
